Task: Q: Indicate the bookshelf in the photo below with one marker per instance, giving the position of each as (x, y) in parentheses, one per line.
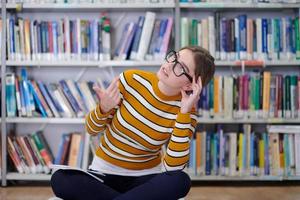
(236, 5)
(177, 10)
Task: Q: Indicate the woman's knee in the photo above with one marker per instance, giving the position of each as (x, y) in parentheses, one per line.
(59, 182)
(182, 179)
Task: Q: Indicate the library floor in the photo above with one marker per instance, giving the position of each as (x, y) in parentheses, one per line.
(196, 193)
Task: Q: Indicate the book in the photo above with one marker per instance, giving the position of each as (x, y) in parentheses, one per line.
(88, 172)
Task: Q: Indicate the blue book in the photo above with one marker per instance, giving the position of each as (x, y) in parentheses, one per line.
(39, 37)
(207, 156)
(26, 92)
(237, 38)
(137, 38)
(162, 30)
(12, 36)
(94, 39)
(266, 153)
(122, 40)
(48, 98)
(129, 42)
(11, 106)
(37, 100)
(71, 98)
(252, 154)
(243, 36)
(50, 88)
(82, 97)
(264, 23)
(59, 155)
(80, 153)
(44, 37)
(22, 98)
(55, 38)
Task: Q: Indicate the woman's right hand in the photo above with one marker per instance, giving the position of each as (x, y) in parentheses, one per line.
(110, 97)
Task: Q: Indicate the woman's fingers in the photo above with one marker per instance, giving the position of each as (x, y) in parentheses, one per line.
(113, 84)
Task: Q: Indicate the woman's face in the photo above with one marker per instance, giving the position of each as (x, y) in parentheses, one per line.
(173, 74)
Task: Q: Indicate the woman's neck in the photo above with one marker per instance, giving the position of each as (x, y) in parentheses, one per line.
(168, 91)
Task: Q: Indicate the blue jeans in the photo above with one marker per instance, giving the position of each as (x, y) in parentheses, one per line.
(76, 185)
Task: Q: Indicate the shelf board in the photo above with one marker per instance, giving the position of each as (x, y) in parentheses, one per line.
(132, 63)
(101, 64)
(85, 7)
(46, 177)
(28, 177)
(46, 120)
(248, 121)
(27, 120)
(224, 5)
(241, 178)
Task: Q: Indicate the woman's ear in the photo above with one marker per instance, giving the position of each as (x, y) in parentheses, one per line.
(187, 87)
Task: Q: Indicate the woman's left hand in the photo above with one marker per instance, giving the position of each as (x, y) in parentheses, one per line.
(188, 101)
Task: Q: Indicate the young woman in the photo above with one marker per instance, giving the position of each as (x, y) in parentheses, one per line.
(140, 112)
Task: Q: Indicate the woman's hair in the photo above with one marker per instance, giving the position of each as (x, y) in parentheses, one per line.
(205, 66)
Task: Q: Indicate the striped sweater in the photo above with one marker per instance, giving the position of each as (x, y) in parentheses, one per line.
(145, 119)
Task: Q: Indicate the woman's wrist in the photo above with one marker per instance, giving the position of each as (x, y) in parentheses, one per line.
(104, 109)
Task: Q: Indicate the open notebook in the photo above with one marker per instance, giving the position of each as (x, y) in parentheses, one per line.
(89, 172)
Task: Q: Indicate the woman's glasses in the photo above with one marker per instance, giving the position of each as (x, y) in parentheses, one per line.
(178, 69)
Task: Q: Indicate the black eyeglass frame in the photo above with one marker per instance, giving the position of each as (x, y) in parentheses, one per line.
(175, 61)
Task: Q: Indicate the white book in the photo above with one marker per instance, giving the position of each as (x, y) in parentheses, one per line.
(22, 38)
(232, 154)
(76, 95)
(297, 154)
(67, 41)
(89, 172)
(205, 32)
(283, 53)
(146, 35)
(228, 97)
(203, 153)
(63, 103)
(291, 153)
(199, 33)
(60, 39)
(259, 38)
(9, 54)
(221, 153)
(106, 45)
(211, 35)
(87, 94)
(184, 31)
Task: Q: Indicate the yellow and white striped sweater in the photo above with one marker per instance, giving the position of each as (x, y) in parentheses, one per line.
(145, 120)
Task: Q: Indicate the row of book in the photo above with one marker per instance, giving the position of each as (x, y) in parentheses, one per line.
(149, 1)
(255, 95)
(64, 39)
(245, 153)
(30, 98)
(243, 38)
(81, 39)
(147, 39)
(90, 1)
(241, 1)
(31, 154)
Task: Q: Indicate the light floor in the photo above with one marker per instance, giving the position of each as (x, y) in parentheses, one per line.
(196, 193)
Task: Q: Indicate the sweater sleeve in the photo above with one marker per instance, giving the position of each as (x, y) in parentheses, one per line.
(96, 120)
(178, 149)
